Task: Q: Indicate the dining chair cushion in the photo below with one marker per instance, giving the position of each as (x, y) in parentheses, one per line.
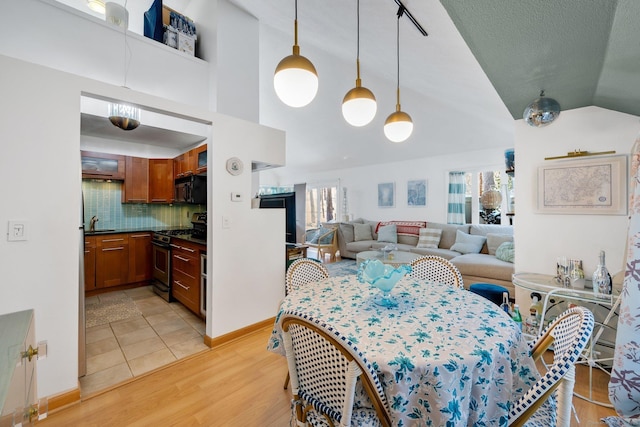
(467, 243)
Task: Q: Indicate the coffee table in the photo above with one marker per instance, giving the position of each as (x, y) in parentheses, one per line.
(396, 258)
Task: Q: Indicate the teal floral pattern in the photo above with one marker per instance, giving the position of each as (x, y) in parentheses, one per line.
(444, 356)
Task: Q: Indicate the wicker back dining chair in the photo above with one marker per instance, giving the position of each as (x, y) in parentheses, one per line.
(325, 367)
(436, 269)
(569, 333)
(303, 271)
(299, 273)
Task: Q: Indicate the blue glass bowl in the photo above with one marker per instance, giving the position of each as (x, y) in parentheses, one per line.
(382, 276)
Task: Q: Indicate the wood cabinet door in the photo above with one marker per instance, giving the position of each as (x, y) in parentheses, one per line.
(161, 178)
(89, 263)
(102, 165)
(178, 167)
(200, 158)
(140, 264)
(136, 182)
(112, 260)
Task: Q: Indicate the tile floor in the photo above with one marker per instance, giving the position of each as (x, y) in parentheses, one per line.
(124, 349)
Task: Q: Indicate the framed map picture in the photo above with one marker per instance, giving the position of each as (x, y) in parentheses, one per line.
(596, 186)
(386, 195)
(417, 193)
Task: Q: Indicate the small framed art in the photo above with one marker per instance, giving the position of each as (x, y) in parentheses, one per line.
(386, 195)
(417, 192)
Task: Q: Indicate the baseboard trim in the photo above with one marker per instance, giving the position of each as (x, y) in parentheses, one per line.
(239, 333)
(62, 400)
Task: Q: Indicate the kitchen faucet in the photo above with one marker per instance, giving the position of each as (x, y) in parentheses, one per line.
(92, 224)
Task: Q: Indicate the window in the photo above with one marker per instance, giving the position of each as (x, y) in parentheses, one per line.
(321, 205)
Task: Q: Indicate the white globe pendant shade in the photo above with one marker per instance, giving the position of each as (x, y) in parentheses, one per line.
(359, 106)
(296, 80)
(398, 126)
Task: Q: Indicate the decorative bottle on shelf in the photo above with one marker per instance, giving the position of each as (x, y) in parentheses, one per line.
(576, 274)
(601, 279)
(505, 303)
(516, 316)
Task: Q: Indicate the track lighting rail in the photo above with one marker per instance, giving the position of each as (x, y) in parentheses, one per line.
(402, 10)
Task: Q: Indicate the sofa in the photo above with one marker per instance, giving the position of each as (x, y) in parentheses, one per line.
(476, 266)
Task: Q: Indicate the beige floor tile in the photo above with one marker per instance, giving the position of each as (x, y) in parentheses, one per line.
(189, 347)
(137, 293)
(105, 378)
(105, 360)
(170, 326)
(142, 348)
(181, 335)
(200, 327)
(137, 336)
(100, 347)
(180, 309)
(123, 327)
(156, 319)
(91, 300)
(152, 305)
(97, 333)
(151, 361)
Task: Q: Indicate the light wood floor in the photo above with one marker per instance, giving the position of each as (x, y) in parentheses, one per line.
(238, 384)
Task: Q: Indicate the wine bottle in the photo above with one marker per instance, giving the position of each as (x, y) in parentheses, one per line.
(505, 302)
(516, 316)
(601, 279)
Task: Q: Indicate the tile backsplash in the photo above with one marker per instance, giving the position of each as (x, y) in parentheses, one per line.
(104, 199)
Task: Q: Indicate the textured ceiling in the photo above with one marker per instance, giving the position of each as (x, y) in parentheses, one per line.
(579, 52)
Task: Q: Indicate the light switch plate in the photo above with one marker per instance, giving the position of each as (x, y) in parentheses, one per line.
(17, 231)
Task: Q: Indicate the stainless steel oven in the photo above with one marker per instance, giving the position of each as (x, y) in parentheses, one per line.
(161, 257)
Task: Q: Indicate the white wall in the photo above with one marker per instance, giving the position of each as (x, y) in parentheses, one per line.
(541, 238)
(42, 273)
(362, 183)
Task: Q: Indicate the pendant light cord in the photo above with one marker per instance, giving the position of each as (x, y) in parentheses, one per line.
(398, 58)
(127, 49)
(295, 25)
(358, 43)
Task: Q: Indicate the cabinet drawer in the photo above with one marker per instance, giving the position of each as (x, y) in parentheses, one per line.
(112, 240)
(185, 289)
(185, 263)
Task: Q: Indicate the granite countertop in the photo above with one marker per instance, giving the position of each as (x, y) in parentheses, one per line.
(147, 229)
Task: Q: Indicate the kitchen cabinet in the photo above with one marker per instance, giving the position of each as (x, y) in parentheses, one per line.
(112, 260)
(102, 165)
(161, 179)
(185, 273)
(136, 183)
(139, 257)
(200, 155)
(89, 263)
(184, 164)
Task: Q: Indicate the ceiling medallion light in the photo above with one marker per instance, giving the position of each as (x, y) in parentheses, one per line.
(296, 79)
(542, 111)
(97, 6)
(359, 105)
(398, 126)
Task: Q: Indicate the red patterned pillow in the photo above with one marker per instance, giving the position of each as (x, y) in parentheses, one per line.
(406, 228)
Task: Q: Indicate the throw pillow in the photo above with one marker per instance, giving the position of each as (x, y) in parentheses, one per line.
(495, 240)
(429, 238)
(362, 232)
(388, 233)
(405, 228)
(506, 252)
(467, 243)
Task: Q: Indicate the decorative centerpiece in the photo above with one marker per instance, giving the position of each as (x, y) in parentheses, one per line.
(383, 277)
(388, 250)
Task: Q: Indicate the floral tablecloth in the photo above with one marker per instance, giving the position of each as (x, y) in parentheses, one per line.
(444, 356)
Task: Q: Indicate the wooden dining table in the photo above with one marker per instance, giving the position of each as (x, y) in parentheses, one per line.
(444, 356)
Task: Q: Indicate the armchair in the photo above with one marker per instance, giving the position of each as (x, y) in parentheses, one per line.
(324, 240)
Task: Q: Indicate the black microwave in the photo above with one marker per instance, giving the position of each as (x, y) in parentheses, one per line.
(192, 189)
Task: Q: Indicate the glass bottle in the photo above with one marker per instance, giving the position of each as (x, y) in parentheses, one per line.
(601, 279)
(576, 274)
(516, 316)
(505, 302)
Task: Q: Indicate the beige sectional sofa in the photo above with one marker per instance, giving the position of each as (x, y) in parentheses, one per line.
(482, 267)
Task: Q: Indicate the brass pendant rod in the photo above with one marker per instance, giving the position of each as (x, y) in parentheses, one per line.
(578, 153)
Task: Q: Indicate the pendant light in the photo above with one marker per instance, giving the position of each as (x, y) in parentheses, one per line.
(124, 116)
(542, 111)
(97, 6)
(398, 126)
(295, 79)
(359, 104)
